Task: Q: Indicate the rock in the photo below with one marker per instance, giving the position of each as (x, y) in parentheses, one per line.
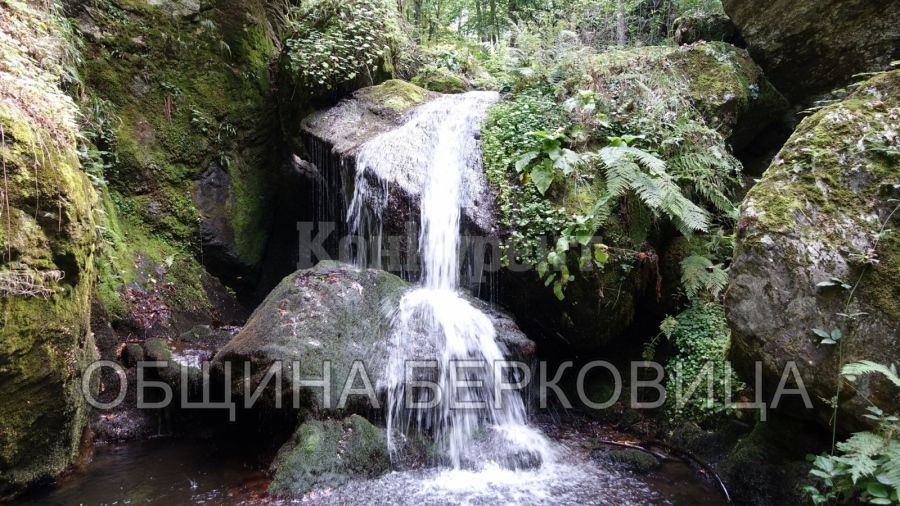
(762, 464)
(691, 29)
(332, 313)
(627, 459)
(194, 151)
(768, 467)
(441, 80)
(366, 114)
(132, 353)
(813, 46)
(812, 218)
(341, 131)
(328, 454)
(216, 231)
(174, 373)
(49, 235)
(206, 336)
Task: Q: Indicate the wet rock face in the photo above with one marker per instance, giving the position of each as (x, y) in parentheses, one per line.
(813, 217)
(344, 129)
(814, 46)
(332, 313)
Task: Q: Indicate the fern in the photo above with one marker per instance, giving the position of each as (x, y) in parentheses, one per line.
(859, 453)
(868, 367)
(699, 274)
(634, 171)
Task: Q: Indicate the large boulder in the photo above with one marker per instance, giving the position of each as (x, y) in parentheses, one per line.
(328, 454)
(813, 46)
(48, 237)
(337, 314)
(815, 216)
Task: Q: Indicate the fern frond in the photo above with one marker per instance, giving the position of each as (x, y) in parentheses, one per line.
(868, 367)
(698, 273)
(859, 452)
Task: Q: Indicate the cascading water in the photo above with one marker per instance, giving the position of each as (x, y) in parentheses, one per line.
(435, 155)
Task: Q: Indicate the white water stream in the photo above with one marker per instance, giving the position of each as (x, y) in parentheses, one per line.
(436, 155)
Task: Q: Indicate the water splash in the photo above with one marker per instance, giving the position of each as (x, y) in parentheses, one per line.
(436, 156)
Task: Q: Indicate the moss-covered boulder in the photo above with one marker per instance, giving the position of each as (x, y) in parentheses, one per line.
(441, 80)
(816, 215)
(813, 46)
(327, 454)
(331, 313)
(47, 241)
(728, 89)
(368, 113)
(628, 459)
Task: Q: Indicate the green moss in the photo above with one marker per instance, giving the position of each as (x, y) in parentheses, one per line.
(329, 453)
(811, 172)
(47, 225)
(394, 94)
(441, 80)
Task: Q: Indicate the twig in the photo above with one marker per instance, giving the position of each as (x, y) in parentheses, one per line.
(702, 463)
(623, 444)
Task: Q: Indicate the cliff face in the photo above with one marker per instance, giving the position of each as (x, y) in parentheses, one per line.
(48, 235)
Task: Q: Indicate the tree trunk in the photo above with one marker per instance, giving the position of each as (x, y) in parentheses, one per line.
(621, 28)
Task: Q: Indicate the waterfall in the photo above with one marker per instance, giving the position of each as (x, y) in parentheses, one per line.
(436, 156)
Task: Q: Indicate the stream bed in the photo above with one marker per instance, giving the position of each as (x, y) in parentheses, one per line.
(202, 471)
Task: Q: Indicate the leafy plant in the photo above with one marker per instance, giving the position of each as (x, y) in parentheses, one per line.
(330, 42)
(701, 336)
(700, 275)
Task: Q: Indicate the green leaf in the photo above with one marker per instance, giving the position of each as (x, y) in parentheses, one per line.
(583, 236)
(836, 334)
(821, 333)
(526, 160)
(600, 254)
(542, 176)
(557, 290)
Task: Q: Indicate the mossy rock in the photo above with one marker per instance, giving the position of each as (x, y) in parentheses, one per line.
(132, 353)
(396, 95)
(206, 336)
(174, 374)
(48, 236)
(768, 465)
(441, 80)
(328, 454)
(813, 217)
(368, 113)
(627, 459)
(331, 313)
